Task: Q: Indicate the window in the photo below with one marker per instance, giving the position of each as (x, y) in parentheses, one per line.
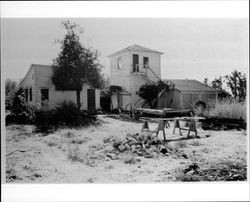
(119, 63)
(26, 95)
(44, 94)
(135, 63)
(145, 62)
(30, 94)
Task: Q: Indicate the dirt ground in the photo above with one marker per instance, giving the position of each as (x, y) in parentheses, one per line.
(79, 155)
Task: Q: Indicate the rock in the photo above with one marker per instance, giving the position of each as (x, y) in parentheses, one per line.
(155, 154)
(148, 155)
(121, 147)
(127, 146)
(138, 147)
(184, 156)
(163, 150)
(139, 153)
(138, 160)
(116, 144)
(133, 147)
(112, 156)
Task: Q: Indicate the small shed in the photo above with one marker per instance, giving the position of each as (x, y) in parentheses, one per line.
(39, 89)
(187, 93)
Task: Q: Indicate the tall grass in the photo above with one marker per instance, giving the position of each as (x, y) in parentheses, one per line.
(228, 109)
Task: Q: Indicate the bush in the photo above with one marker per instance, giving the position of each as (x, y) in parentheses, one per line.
(228, 109)
(20, 112)
(66, 113)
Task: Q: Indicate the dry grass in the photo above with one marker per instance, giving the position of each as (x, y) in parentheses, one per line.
(74, 153)
(228, 109)
(195, 143)
(180, 144)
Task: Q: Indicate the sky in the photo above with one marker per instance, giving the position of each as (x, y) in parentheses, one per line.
(194, 48)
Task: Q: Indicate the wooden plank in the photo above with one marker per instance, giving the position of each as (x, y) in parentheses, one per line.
(189, 118)
(151, 111)
(157, 119)
(176, 111)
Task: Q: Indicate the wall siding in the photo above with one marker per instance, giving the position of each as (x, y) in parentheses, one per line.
(42, 79)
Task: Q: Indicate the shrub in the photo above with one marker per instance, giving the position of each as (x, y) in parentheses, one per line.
(20, 112)
(228, 109)
(44, 120)
(65, 113)
(10, 90)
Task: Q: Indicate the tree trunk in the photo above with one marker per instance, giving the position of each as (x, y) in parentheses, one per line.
(78, 99)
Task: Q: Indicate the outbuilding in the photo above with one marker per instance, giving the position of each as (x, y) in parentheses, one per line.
(39, 89)
(186, 94)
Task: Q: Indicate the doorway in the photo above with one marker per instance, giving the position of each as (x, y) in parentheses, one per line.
(91, 99)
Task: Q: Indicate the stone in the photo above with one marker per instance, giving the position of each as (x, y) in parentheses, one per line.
(139, 153)
(127, 146)
(121, 147)
(163, 150)
(133, 147)
(112, 156)
(148, 156)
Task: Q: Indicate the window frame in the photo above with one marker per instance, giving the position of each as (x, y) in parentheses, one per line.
(44, 89)
(119, 63)
(145, 64)
(135, 66)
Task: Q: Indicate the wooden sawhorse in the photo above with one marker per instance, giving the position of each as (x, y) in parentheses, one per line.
(190, 128)
(161, 127)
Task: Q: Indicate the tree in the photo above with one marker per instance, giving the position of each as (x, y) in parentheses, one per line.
(76, 64)
(10, 90)
(205, 81)
(236, 81)
(150, 92)
(217, 83)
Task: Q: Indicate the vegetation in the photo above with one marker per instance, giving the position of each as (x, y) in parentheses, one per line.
(228, 109)
(236, 81)
(66, 113)
(150, 92)
(76, 64)
(20, 112)
(10, 90)
(224, 171)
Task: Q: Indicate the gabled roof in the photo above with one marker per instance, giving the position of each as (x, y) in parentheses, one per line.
(34, 66)
(135, 47)
(191, 85)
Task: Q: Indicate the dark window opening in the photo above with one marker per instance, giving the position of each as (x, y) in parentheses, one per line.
(135, 63)
(145, 62)
(44, 94)
(119, 63)
(26, 95)
(30, 94)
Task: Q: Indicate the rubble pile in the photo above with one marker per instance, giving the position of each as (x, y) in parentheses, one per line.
(146, 145)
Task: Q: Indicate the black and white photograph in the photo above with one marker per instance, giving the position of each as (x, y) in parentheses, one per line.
(111, 100)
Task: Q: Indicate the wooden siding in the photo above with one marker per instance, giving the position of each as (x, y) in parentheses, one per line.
(40, 78)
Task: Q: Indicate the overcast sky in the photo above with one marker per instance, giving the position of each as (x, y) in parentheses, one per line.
(193, 48)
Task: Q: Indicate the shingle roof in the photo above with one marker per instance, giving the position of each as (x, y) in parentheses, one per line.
(34, 66)
(191, 85)
(135, 47)
(40, 66)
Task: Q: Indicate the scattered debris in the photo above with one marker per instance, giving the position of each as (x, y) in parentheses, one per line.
(145, 145)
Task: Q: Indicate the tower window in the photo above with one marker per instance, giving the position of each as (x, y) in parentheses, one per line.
(119, 63)
(135, 63)
(145, 62)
